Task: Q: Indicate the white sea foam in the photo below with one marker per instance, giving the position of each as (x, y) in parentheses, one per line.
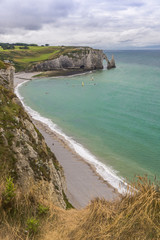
(106, 172)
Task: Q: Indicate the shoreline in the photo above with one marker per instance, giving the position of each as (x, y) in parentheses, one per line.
(82, 180)
(62, 73)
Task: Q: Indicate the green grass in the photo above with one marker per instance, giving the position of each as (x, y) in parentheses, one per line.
(31, 48)
(41, 57)
(35, 48)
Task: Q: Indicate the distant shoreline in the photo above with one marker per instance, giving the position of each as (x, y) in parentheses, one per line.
(63, 72)
(20, 77)
(83, 182)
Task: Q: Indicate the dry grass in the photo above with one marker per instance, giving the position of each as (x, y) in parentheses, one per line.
(134, 217)
(15, 214)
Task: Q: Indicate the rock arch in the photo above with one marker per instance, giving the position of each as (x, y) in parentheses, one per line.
(110, 64)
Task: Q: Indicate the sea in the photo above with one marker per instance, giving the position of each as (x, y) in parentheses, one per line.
(111, 118)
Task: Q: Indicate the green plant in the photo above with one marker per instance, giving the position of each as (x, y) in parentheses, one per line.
(9, 192)
(32, 225)
(42, 210)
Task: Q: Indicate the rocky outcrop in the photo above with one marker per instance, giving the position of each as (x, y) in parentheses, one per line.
(7, 77)
(82, 58)
(111, 64)
(24, 154)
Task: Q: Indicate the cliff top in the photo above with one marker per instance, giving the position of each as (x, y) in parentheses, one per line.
(23, 58)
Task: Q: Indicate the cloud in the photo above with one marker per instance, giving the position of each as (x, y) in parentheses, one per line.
(98, 23)
(32, 15)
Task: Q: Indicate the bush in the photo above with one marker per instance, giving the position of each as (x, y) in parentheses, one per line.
(42, 210)
(32, 225)
(9, 193)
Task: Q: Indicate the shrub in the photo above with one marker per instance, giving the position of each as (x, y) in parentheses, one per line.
(42, 210)
(32, 225)
(9, 193)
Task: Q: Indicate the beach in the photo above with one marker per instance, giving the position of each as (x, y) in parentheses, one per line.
(82, 182)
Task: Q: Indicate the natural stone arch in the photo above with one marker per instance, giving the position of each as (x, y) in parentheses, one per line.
(110, 64)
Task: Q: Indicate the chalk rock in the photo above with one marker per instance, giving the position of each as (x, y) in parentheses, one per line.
(111, 64)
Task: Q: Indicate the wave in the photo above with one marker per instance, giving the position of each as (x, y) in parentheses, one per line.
(106, 172)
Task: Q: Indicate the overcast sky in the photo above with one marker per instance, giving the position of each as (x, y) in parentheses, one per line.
(106, 24)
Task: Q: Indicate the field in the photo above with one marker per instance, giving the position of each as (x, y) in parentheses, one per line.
(24, 58)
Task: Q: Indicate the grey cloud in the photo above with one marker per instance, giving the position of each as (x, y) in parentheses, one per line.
(33, 14)
(126, 41)
(85, 22)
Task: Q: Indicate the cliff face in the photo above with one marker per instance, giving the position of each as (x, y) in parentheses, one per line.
(24, 154)
(7, 77)
(84, 58)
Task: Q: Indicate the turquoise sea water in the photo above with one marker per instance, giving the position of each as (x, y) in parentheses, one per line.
(116, 116)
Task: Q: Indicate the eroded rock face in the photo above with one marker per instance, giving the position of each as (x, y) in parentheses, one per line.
(35, 164)
(87, 59)
(26, 157)
(7, 77)
(111, 64)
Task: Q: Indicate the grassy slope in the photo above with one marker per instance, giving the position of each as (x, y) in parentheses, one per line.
(23, 58)
(131, 218)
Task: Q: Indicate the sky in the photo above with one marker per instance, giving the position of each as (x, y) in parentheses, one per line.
(104, 24)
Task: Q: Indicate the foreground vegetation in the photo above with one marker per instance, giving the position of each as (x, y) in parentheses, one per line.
(134, 217)
(24, 57)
